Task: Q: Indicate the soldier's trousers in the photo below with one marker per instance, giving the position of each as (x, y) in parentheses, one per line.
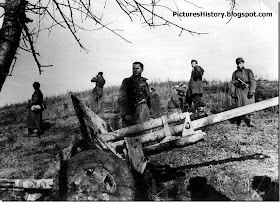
(95, 102)
(197, 100)
(243, 100)
(140, 114)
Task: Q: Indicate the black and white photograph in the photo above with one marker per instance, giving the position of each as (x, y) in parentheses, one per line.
(139, 100)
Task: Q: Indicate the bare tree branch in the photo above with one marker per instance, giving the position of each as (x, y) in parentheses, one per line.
(69, 27)
(160, 17)
(33, 49)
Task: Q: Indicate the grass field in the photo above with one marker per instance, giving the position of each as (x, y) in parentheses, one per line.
(227, 165)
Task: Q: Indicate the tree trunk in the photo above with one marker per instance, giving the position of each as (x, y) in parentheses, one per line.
(10, 35)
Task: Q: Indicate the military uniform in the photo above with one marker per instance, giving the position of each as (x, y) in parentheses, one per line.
(155, 104)
(97, 92)
(196, 87)
(240, 91)
(34, 118)
(134, 100)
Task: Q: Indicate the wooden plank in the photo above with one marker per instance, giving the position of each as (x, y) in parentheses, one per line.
(135, 154)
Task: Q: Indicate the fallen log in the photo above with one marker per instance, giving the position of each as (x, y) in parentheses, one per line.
(26, 183)
(199, 123)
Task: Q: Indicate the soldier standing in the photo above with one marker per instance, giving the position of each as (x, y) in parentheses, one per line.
(155, 108)
(134, 97)
(195, 90)
(243, 86)
(35, 109)
(97, 92)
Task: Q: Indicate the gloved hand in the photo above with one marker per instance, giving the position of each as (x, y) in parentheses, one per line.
(250, 94)
(127, 117)
(233, 96)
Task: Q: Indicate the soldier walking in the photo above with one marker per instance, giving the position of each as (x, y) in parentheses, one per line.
(35, 109)
(243, 86)
(97, 92)
(134, 97)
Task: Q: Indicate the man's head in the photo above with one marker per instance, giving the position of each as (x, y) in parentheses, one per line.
(193, 63)
(137, 68)
(36, 85)
(240, 62)
(100, 74)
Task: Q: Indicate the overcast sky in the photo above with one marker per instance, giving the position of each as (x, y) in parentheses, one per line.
(164, 53)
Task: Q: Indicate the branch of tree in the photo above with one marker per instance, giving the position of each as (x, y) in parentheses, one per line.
(93, 17)
(167, 21)
(69, 27)
(25, 28)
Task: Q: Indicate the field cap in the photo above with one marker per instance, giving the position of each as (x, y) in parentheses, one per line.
(238, 60)
(194, 61)
(100, 73)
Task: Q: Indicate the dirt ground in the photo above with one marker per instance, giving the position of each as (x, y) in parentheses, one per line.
(231, 163)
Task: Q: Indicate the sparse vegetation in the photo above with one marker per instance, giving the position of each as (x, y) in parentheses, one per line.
(225, 160)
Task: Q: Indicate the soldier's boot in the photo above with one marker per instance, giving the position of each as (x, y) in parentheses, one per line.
(200, 112)
(248, 121)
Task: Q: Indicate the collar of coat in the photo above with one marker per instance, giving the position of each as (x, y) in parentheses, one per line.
(136, 78)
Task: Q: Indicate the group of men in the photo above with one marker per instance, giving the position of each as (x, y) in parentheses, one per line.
(134, 93)
(134, 97)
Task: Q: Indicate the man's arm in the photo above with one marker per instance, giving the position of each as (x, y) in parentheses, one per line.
(123, 101)
(198, 72)
(148, 95)
(36, 98)
(94, 79)
(232, 89)
(252, 81)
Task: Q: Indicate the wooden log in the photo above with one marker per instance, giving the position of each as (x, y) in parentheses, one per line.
(140, 128)
(26, 183)
(158, 135)
(92, 126)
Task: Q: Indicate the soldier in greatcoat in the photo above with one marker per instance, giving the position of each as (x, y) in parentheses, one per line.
(155, 108)
(243, 87)
(134, 97)
(97, 92)
(35, 109)
(195, 90)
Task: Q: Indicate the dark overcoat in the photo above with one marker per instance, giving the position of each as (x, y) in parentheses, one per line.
(196, 84)
(100, 82)
(34, 119)
(155, 108)
(134, 99)
(248, 77)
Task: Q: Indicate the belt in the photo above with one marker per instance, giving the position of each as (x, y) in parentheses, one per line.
(143, 101)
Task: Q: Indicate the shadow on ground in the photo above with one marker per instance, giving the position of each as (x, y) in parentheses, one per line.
(267, 189)
(201, 191)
